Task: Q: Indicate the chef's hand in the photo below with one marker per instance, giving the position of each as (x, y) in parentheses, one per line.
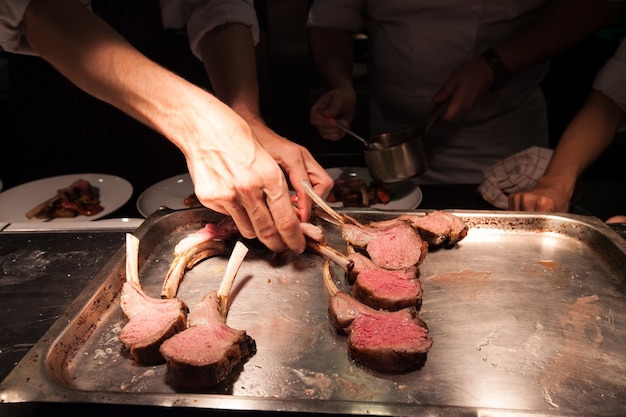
(297, 163)
(468, 83)
(234, 175)
(334, 106)
(547, 196)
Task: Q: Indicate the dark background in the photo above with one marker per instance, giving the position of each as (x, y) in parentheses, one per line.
(49, 127)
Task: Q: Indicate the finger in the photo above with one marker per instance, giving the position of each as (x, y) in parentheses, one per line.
(545, 205)
(515, 202)
(274, 219)
(255, 207)
(304, 204)
(286, 221)
(240, 217)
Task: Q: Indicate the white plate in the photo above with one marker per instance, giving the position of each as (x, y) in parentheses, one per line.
(170, 193)
(15, 202)
(405, 196)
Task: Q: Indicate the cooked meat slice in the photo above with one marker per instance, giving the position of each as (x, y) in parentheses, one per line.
(151, 320)
(381, 289)
(441, 227)
(361, 263)
(397, 246)
(438, 228)
(373, 285)
(203, 355)
(386, 341)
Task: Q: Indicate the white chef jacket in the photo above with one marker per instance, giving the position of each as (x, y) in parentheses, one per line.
(199, 17)
(611, 79)
(413, 48)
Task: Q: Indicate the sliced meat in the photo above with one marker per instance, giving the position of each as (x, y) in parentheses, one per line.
(397, 246)
(385, 341)
(151, 320)
(373, 285)
(441, 227)
(360, 263)
(206, 353)
(438, 228)
(388, 342)
(381, 289)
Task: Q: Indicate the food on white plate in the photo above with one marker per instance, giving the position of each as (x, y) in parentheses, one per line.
(357, 193)
(205, 354)
(79, 198)
(151, 320)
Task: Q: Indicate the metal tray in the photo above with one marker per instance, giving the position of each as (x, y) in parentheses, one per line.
(527, 313)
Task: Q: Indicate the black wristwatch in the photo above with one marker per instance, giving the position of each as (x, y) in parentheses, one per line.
(501, 74)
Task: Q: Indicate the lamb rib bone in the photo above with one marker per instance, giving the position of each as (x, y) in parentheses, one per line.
(151, 320)
(200, 245)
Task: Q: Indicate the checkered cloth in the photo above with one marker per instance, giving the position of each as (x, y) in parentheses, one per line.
(516, 173)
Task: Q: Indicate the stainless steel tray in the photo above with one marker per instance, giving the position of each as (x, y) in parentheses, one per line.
(528, 317)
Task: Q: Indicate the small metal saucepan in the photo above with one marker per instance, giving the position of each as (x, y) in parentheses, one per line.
(395, 156)
(398, 156)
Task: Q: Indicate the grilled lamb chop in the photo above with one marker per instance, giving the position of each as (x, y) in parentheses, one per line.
(438, 228)
(374, 286)
(204, 354)
(398, 246)
(151, 320)
(206, 242)
(385, 341)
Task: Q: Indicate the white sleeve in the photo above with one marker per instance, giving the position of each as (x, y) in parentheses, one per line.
(12, 37)
(611, 79)
(202, 16)
(338, 14)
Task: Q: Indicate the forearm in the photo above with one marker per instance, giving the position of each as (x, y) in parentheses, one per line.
(229, 59)
(99, 61)
(564, 23)
(333, 56)
(586, 137)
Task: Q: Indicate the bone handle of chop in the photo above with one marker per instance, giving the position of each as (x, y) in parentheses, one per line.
(234, 263)
(132, 264)
(330, 253)
(320, 201)
(329, 284)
